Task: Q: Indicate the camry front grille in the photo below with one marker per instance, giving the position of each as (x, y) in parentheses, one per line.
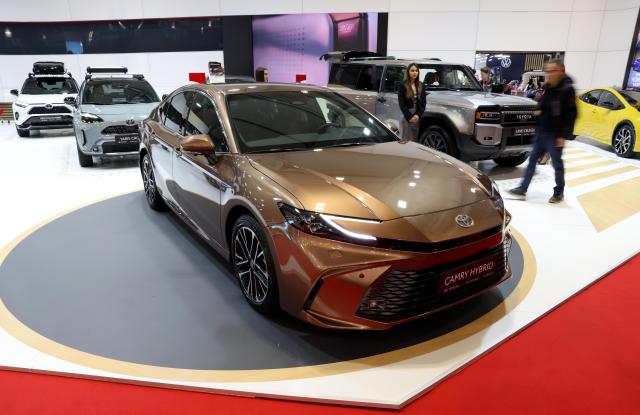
(400, 294)
(52, 110)
(121, 129)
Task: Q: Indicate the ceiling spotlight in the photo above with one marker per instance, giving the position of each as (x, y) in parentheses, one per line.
(7, 32)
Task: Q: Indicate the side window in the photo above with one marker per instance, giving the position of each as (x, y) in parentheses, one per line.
(591, 97)
(393, 76)
(347, 75)
(367, 79)
(608, 100)
(176, 111)
(203, 119)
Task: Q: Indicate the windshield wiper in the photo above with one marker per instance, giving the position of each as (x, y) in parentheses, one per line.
(356, 143)
(276, 150)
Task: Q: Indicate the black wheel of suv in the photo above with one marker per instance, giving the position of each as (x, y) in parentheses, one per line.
(154, 199)
(624, 139)
(439, 139)
(85, 160)
(23, 132)
(252, 265)
(512, 161)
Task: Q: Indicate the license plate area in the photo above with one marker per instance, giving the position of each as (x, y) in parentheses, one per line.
(520, 131)
(51, 118)
(464, 275)
(127, 139)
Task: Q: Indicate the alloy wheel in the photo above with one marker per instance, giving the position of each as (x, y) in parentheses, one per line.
(436, 141)
(251, 264)
(622, 140)
(148, 180)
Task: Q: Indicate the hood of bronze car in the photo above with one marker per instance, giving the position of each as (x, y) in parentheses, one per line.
(382, 181)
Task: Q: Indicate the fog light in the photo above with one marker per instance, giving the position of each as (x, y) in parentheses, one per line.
(17, 116)
(95, 149)
(373, 304)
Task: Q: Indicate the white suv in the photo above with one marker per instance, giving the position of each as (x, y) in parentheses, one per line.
(41, 104)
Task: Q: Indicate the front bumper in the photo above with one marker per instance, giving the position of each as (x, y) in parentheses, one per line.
(495, 140)
(39, 117)
(108, 139)
(335, 284)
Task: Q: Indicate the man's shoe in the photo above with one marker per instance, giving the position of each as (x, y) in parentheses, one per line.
(517, 191)
(556, 199)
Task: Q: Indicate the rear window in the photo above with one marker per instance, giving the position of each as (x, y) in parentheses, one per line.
(118, 91)
(54, 85)
(345, 75)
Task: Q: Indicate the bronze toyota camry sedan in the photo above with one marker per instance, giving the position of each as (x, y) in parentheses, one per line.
(320, 208)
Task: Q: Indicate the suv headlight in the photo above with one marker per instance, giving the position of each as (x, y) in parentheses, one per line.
(323, 225)
(487, 116)
(90, 118)
(21, 104)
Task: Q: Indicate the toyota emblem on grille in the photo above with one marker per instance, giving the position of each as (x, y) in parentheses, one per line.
(48, 106)
(465, 221)
(523, 117)
(130, 121)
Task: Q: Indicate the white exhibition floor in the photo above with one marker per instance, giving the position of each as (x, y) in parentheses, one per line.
(571, 245)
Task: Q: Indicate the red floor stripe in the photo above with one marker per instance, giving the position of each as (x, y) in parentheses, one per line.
(583, 358)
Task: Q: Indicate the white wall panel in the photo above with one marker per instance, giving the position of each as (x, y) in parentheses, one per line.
(579, 66)
(518, 31)
(466, 57)
(167, 71)
(584, 32)
(584, 5)
(334, 6)
(239, 8)
(617, 29)
(433, 5)
(609, 68)
(432, 31)
(180, 8)
(622, 4)
(113, 9)
(524, 5)
(34, 11)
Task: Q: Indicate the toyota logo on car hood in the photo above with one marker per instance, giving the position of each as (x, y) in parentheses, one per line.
(465, 221)
(48, 106)
(130, 121)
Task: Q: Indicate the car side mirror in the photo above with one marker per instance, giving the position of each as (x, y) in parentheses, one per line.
(14, 92)
(393, 126)
(199, 144)
(70, 101)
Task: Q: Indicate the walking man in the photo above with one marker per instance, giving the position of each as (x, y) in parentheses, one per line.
(556, 115)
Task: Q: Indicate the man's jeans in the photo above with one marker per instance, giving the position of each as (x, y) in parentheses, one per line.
(545, 143)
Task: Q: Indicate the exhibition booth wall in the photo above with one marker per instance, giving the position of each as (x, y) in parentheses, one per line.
(596, 35)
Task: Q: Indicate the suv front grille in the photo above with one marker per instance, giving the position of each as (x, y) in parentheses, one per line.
(517, 117)
(402, 294)
(53, 110)
(121, 129)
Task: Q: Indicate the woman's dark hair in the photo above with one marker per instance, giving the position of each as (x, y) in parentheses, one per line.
(417, 83)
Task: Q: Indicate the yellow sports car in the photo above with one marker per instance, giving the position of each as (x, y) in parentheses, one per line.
(612, 116)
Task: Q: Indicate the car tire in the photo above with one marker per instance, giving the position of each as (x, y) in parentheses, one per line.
(154, 199)
(252, 265)
(85, 160)
(623, 141)
(439, 139)
(23, 132)
(512, 161)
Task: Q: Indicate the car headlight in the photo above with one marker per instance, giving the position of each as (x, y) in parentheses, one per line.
(21, 104)
(90, 118)
(488, 116)
(325, 226)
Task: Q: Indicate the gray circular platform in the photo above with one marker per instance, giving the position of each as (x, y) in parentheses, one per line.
(118, 280)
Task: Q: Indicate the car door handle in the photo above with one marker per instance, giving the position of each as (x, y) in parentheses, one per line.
(382, 99)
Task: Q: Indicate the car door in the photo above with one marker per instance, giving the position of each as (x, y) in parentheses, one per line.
(609, 115)
(165, 138)
(587, 112)
(201, 180)
(387, 107)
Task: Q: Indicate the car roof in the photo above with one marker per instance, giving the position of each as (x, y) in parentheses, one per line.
(399, 61)
(240, 88)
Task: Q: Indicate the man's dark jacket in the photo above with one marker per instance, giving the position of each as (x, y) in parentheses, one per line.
(558, 105)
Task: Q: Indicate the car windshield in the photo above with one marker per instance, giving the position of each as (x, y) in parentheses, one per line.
(632, 97)
(53, 85)
(118, 91)
(450, 77)
(301, 120)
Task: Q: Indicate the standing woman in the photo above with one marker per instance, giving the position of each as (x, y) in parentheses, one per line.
(412, 100)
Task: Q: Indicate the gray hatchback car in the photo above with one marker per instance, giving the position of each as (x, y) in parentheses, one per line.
(109, 108)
